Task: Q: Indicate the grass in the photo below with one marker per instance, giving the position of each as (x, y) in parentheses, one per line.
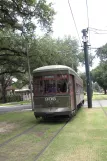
(27, 146)
(15, 103)
(14, 123)
(97, 97)
(83, 139)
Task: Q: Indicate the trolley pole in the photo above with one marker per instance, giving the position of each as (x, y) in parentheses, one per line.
(89, 91)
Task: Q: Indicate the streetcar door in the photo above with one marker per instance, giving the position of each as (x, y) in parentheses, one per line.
(72, 92)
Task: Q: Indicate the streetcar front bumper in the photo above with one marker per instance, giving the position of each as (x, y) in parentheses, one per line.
(52, 112)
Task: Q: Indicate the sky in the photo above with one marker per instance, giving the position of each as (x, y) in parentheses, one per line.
(64, 25)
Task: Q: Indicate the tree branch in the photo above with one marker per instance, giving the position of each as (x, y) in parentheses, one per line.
(12, 50)
(13, 71)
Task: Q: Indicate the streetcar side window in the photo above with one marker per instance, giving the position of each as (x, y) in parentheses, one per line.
(38, 86)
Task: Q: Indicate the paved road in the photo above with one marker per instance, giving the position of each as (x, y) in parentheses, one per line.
(4, 109)
(97, 103)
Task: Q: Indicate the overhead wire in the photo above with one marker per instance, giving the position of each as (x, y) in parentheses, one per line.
(74, 22)
(88, 18)
(97, 29)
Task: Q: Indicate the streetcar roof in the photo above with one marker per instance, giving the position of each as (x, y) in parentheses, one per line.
(51, 68)
(55, 68)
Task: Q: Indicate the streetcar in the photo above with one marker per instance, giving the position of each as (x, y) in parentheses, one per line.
(58, 90)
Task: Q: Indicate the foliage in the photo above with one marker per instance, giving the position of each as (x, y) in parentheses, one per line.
(102, 53)
(83, 77)
(96, 87)
(49, 51)
(20, 14)
(99, 75)
(12, 58)
(14, 98)
(82, 59)
(41, 51)
(68, 51)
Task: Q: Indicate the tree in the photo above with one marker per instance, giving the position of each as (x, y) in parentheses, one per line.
(82, 60)
(12, 59)
(68, 50)
(20, 14)
(83, 77)
(49, 51)
(99, 75)
(96, 87)
(102, 53)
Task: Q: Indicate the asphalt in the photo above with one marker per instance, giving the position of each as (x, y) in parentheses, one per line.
(4, 109)
(97, 103)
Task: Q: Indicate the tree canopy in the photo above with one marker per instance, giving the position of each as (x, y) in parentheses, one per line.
(102, 53)
(26, 14)
(99, 75)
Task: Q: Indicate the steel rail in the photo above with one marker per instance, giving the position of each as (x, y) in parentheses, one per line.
(16, 136)
(50, 141)
(103, 109)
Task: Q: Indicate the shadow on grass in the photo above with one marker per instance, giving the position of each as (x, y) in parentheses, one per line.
(57, 119)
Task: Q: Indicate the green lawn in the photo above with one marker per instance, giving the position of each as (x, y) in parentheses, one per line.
(14, 123)
(97, 97)
(83, 139)
(15, 103)
(26, 146)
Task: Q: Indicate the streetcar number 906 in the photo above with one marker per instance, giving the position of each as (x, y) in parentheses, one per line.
(50, 98)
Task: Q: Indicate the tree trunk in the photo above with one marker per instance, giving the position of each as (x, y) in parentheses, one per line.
(105, 91)
(3, 90)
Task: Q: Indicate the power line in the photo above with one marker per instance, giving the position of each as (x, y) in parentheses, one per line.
(97, 29)
(74, 22)
(99, 32)
(88, 18)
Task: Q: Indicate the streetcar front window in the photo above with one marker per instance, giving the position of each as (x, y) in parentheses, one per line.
(44, 85)
(49, 86)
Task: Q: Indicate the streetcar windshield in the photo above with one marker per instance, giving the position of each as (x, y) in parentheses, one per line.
(51, 85)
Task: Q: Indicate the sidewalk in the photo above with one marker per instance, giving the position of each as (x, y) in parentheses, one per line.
(97, 103)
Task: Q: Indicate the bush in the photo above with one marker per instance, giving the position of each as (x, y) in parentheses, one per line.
(85, 93)
(14, 98)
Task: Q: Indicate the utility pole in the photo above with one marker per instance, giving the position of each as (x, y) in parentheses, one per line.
(29, 73)
(89, 89)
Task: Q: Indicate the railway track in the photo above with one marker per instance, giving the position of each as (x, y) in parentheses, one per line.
(16, 136)
(35, 128)
(50, 141)
(103, 109)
